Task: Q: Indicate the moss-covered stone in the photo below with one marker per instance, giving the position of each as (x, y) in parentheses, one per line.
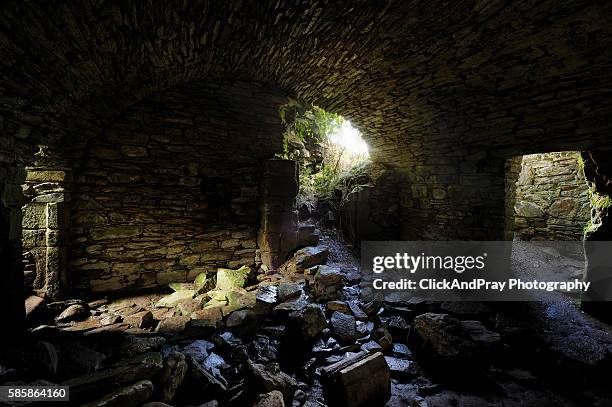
(228, 279)
(175, 298)
(181, 286)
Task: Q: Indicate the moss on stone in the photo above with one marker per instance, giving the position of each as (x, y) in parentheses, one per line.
(228, 279)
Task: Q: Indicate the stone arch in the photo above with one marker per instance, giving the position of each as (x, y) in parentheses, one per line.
(444, 92)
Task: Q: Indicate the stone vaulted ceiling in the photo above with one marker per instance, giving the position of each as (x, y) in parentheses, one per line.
(522, 75)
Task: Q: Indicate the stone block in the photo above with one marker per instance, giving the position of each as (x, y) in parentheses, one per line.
(272, 186)
(56, 238)
(47, 176)
(109, 284)
(285, 168)
(357, 381)
(115, 232)
(34, 216)
(142, 319)
(308, 235)
(33, 238)
(277, 222)
(167, 277)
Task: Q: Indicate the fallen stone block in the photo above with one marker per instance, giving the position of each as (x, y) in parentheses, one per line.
(76, 312)
(142, 319)
(181, 286)
(305, 258)
(175, 298)
(229, 279)
(308, 322)
(173, 325)
(443, 338)
(123, 372)
(361, 380)
(266, 298)
(399, 368)
(202, 381)
(134, 345)
(131, 396)
(242, 320)
(31, 303)
(211, 314)
(172, 375)
(344, 327)
(328, 283)
(339, 306)
(289, 291)
(269, 378)
(308, 235)
(272, 399)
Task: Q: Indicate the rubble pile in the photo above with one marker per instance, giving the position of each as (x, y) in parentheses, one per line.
(296, 336)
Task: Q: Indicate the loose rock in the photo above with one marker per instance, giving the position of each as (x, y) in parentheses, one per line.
(359, 380)
(344, 327)
(172, 375)
(76, 312)
(131, 396)
(272, 399)
(328, 283)
(309, 321)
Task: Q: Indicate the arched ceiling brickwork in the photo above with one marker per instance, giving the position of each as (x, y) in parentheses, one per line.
(515, 76)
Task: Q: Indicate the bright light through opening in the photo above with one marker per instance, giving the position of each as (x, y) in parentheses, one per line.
(348, 137)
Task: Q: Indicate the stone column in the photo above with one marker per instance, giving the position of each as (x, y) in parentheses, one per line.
(278, 233)
(46, 222)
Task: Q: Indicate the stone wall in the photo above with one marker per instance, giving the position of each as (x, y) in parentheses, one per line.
(373, 212)
(552, 201)
(454, 195)
(16, 150)
(171, 189)
(473, 80)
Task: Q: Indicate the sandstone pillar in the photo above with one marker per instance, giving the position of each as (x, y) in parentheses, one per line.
(45, 223)
(278, 233)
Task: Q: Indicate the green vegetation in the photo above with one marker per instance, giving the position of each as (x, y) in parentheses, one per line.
(599, 203)
(308, 123)
(599, 208)
(336, 162)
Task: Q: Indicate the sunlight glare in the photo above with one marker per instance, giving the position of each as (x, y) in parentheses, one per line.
(349, 137)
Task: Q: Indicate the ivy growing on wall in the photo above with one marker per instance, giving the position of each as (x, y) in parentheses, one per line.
(600, 204)
(332, 170)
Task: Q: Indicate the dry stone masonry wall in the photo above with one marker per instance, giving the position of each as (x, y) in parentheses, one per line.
(425, 81)
(454, 195)
(372, 213)
(445, 93)
(552, 201)
(171, 189)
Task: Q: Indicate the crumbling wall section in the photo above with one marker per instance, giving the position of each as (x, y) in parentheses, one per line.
(171, 189)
